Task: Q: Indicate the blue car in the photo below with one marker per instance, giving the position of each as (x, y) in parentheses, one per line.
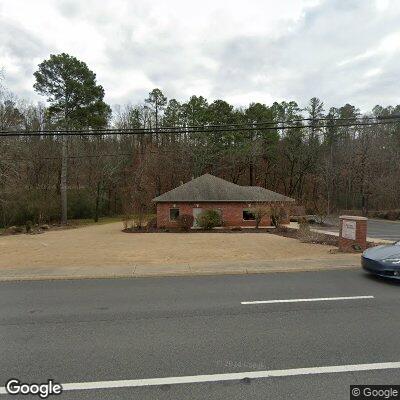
(383, 260)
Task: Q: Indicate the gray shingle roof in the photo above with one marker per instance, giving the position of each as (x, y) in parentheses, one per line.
(210, 188)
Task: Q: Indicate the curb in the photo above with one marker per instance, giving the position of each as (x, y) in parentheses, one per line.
(245, 271)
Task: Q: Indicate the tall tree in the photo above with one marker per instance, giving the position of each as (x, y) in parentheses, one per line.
(10, 115)
(172, 114)
(315, 111)
(262, 142)
(157, 102)
(75, 99)
(195, 111)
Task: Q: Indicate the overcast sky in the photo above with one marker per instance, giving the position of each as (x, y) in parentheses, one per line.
(240, 51)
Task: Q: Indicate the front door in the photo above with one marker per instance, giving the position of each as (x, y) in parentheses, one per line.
(196, 213)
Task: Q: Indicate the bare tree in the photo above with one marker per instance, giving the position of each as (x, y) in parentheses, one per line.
(260, 211)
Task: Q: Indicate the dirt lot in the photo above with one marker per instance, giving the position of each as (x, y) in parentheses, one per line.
(105, 245)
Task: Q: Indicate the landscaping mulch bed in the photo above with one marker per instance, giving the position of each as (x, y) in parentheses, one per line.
(313, 237)
(306, 236)
(193, 231)
(303, 236)
(54, 226)
(36, 230)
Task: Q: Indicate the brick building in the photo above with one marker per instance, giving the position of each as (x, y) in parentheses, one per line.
(235, 203)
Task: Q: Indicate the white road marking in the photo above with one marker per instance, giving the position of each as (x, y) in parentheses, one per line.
(304, 300)
(225, 377)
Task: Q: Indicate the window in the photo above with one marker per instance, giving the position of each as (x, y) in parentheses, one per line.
(248, 215)
(173, 214)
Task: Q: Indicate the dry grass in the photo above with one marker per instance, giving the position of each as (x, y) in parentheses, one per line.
(100, 245)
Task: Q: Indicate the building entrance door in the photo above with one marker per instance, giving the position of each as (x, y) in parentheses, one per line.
(196, 213)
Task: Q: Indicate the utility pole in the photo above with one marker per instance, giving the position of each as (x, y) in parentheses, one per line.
(64, 168)
(63, 180)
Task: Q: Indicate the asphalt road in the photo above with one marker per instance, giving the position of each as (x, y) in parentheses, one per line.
(389, 230)
(377, 229)
(108, 330)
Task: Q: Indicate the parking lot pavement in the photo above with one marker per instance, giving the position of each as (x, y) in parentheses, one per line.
(388, 230)
(318, 332)
(377, 229)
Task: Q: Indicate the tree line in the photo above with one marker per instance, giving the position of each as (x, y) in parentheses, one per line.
(328, 158)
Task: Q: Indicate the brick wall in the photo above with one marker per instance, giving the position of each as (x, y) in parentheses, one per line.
(232, 213)
(360, 239)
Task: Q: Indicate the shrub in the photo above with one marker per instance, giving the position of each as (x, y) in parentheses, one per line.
(392, 215)
(209, 219)
(304, 225)
(80, 206)
(278, 214)
(12, 230)
(127, 222)
(185, 221)
(28, 226)
(152, 224)
(261, 211)
(381, 214)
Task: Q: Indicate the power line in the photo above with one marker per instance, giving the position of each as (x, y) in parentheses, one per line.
(383, 121)
(188, 128)
(79, 156)
(84, 156)
(72, 157)
(183, 130)
(200, 128)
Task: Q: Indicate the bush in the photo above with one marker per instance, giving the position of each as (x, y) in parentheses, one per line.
(80, 206)
(13, 230)
(127, 222)
(304, 225)
(209, 219)
(185, 221)
(28, 226)
(278, 214)
(392, 215)
(261, 211)
(152, 224)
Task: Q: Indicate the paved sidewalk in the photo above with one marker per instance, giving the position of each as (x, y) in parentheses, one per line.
(335, 261)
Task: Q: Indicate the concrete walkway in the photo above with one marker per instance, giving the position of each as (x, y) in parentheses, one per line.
(334, 261)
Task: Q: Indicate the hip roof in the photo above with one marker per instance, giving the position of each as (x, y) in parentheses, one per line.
(209, 188)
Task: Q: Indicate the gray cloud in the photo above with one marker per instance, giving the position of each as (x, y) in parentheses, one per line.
(307, 60)
(17, 41)
(20, 48)
(69, 8)
(338, 51)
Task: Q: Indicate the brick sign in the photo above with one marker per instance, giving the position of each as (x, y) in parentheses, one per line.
(349, 229)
